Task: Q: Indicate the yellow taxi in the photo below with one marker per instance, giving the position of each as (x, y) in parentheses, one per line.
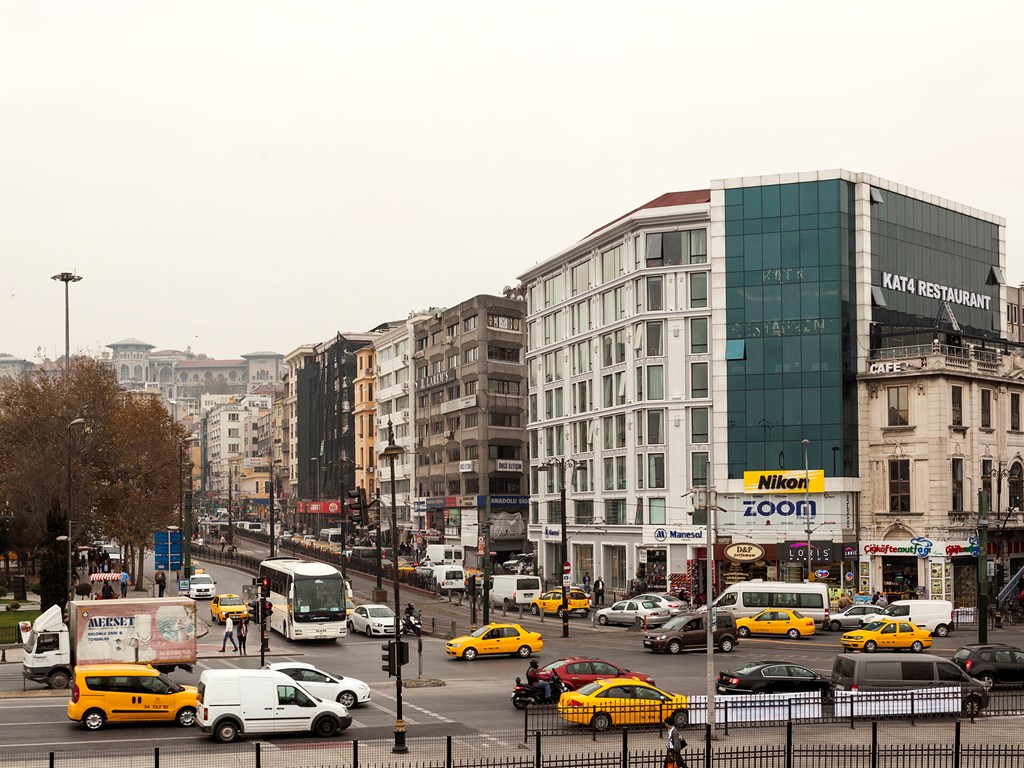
(887, 635)
(551, 602)
(776, 621)
(226, 605)
(614, 701)
(128, 693)
(495, 638)
(405, 565)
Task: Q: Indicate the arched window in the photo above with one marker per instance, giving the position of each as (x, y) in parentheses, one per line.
(184, 376)
(126, 373)
(232, 375)
(138, 373)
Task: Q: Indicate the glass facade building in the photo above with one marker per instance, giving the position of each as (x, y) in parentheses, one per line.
(790, 325)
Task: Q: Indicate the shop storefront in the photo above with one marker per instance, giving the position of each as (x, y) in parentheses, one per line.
(919, 568)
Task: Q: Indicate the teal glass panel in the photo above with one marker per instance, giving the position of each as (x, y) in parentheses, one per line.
(771, 201)
(734, 196)
(789, 198)
(808, 197)
(771, 255)
(752, 202)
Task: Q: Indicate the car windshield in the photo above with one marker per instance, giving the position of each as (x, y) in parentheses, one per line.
(677, 622)
(588, 689)
(319, 598)
(231, 601)
(202, 580)
(482, 631)
(381, 612)
(875, 625)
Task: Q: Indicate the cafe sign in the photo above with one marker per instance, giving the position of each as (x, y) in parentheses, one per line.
(744, 553)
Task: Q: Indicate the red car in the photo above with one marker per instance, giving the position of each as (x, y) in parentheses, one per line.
(576, 671)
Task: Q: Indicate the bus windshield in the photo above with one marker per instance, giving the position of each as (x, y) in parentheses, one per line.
(319, 598)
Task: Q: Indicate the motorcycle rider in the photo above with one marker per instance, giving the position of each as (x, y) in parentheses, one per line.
(410, 619)
(533, 678)
(410, 610)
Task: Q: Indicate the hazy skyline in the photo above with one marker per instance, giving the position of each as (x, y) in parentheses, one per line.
(245, 176)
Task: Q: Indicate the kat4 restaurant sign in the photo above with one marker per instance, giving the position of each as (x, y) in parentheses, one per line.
(938, 291)
(784, 481)
(744, 553)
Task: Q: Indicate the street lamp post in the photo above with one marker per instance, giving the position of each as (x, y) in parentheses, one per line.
(807, 504)
(230, 538)
(70, 538)
(562, 465)
(391, 452)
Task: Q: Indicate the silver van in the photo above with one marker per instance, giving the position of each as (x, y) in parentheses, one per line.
(512, 591)
(867, 672)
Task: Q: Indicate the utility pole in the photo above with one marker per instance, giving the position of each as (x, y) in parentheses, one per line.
(983, 502)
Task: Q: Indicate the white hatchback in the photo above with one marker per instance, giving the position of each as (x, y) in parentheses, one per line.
(372, 620)
(202, 585)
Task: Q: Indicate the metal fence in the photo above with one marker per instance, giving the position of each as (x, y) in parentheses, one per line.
(885, 744)
(854, 710)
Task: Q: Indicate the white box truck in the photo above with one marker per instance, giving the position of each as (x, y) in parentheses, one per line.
(156, 631)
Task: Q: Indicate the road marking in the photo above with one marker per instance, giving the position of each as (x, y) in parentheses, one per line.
(375, 705)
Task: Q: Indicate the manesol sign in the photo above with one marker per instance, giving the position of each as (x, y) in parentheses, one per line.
(744, 553)
(784, 481)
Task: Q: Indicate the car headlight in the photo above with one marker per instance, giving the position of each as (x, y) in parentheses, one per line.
(853, 637)
(661, 637)
(454, 645)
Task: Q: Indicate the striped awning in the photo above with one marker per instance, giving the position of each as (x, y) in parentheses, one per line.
(104, 577)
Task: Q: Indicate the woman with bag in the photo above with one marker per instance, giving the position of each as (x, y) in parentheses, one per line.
(676, 745)
(242, 632)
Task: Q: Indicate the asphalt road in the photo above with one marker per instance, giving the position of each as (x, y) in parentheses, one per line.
(474, 696)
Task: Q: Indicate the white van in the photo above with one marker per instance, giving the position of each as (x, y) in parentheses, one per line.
(936, 616)
(748, 598)
(234, 701)
(442, 554)
(450, 578)
(513, 590)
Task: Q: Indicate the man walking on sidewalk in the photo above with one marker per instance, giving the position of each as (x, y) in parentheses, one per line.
(229, 634)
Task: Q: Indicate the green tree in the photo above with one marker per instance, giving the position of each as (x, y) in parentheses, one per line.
(124, 465)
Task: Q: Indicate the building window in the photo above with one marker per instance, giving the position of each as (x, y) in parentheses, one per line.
(699, 336)
(470, 388)
(584, 511)
(611, 264)
(655, 338)
(899, 407)
(503, 354)
(957, 404)
(504, 419)
(453, 361)
(655, 293)
(656, 470)
(655, 428)
(698, 290)
(956, 480)
(698, 380)
(580, 277)
(615, 511)
(667, 249)
(986, 409)
(472, 419)
(699, 468)
(699, 427)
(899, 485)
(471, 355)
(655, 382)
(1015, 412)
(469, 324)
(656, 511)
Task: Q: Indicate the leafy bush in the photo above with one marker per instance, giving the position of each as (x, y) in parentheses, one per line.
(84, 589)
(14, 605)
(34, 587)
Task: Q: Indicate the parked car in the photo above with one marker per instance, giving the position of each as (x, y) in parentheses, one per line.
(688, 630)
(674, 605)
(776, 621)
(372, 620)
(992, 664)
(551, 602)
(223, 606)
(495, 638)
(772, 677)
(604, 704)
(628, 611)
(577, 671)
(887, 635)
(344, 690)
(851, 617)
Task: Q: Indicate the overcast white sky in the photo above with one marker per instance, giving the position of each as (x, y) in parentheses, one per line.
(242, 176)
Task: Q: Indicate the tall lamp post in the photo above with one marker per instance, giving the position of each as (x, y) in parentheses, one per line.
(562, 465)
(70, 538)
(391, 452)
(807, 504)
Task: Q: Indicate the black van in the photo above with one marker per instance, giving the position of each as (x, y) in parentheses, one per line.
(868, 672)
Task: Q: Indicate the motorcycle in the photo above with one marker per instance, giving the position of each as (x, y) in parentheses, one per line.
(525, 694)
(411, 624)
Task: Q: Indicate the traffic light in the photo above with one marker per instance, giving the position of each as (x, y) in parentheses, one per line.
(472, 585)
(265, 587)
(389, 657)
(403, 651)
(357, 506)
(254, 611)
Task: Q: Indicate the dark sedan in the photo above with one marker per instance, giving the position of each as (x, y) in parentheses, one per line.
(772, 677)
(576, 671)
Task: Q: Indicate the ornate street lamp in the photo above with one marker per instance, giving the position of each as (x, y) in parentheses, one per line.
(391, 452)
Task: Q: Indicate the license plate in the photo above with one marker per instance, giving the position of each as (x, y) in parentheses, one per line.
(647, 642)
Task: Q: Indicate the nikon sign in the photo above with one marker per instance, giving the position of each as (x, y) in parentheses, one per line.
(784, 481)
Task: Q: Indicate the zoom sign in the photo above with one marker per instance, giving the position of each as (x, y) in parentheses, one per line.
(782, 508)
